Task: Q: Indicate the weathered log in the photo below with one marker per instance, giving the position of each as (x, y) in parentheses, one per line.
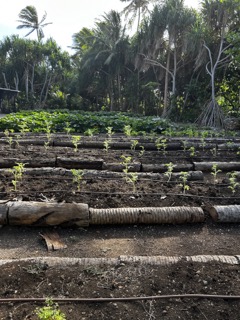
(158, 167)
(148, 215)
(229, 146)
(229, 213)
(3, 212)
(80, 163)
(224, 166)
(118, 167)
(30, 163)
(48, 214)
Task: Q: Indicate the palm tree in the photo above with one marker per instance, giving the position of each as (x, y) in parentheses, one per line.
(29, 20)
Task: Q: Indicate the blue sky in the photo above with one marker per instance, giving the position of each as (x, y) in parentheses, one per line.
(67, 16)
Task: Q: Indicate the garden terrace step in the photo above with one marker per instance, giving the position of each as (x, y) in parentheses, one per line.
(163, 168)
(79, 163)
(32, 163)
(79, 214)
(224, 166)
(126, 259)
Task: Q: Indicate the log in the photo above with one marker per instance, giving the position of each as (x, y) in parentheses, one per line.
(158, 167)
(148, 215)
(230, 213)
(231, 146)
(118, 167)
(3, 212)
(79, 163)
(48, 214)
(33, 163)
(224, 166)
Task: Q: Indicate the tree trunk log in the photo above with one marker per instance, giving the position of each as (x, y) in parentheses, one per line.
(148, 215)
(163, 168)
(229, 213)
(48, 214)
(78, 163)
(224, 166)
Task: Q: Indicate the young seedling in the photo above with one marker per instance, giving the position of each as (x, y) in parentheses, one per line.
(184, 142)
(127, 130)
(132, 177)
(110, 132)
(23, 128)
(106, 144)
(161, 144)
(90, 132)
(134, 143)
(68, 129)
(203, 143)
(233, 184)
(141, 152)
(184, 178)
(8, 136)
(125, 163)
(214, 151)
(17, 172)
(192, 151)
(169, 171)
(75, 141)
(47, 129)
(214, 172)
(50, 312)
(77, 177)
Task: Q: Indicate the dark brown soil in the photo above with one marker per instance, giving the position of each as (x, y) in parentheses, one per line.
(30, 279)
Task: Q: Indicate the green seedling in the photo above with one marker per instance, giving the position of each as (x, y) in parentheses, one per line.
(214, 151)
(17, 172)
(214, 172)
(77, 177)
(106, 144)
(233, 184)
(203, 143)
(184, 143)
(184, 178)
(90, 132)
(125, 163)
(132, 177)
(110, 132)
(128, 130)
(134, 143)
(68, 129)
(50, 312)
(192, 151)
(23, 128)
(47, 129)
(75, 141)
(169, 171)
(141, 152)
(230, 144)
(8, 136)
(161, 144)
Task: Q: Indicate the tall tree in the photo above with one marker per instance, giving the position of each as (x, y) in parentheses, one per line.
(29, 20)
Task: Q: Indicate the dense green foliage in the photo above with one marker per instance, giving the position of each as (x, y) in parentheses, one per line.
(178, 61)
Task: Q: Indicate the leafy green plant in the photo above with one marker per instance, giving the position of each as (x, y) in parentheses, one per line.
(50, 312)
(142, 151)
(169, 171)
(106, 144)
(75, 141)
(203, 143)
(132, 177)
(134, 143)
(8, 136)
(110, 132)
(233, 184)
(127, 129)
(184, 178)
(214, 172)
(90, 132)
(184, 143)
(161, 144)
(68, 128)
(214, 151)
(192, 151)
(17, 172)
(23, 128)
(125, 163)
(77, 177)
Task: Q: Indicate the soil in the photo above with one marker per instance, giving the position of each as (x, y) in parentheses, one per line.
(37, 278)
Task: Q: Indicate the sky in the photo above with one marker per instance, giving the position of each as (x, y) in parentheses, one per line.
(67, 16)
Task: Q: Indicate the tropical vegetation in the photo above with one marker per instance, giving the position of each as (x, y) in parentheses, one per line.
(179, 63)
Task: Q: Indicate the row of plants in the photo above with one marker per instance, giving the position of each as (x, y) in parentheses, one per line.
(132, 177)
(99, 122)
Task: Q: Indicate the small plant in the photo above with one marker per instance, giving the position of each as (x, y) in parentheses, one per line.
(23, 128)
(192, 151)
(90, 132)
(169, 171)
(230, 145)
(214, 151)
(161, 144)
(8, 136)
(214, 172)
(75, 141)
(203, 143)
(184, 142)
(50, 312)
(106, 144)
(47, 129)
(68, 129)
(77, 177)
(110, 132)
(141, 152)
(125, 163)
(17, 172)
(134, 143)
(233, 184)
(184, 178)
(127, 130)
(132, 177)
